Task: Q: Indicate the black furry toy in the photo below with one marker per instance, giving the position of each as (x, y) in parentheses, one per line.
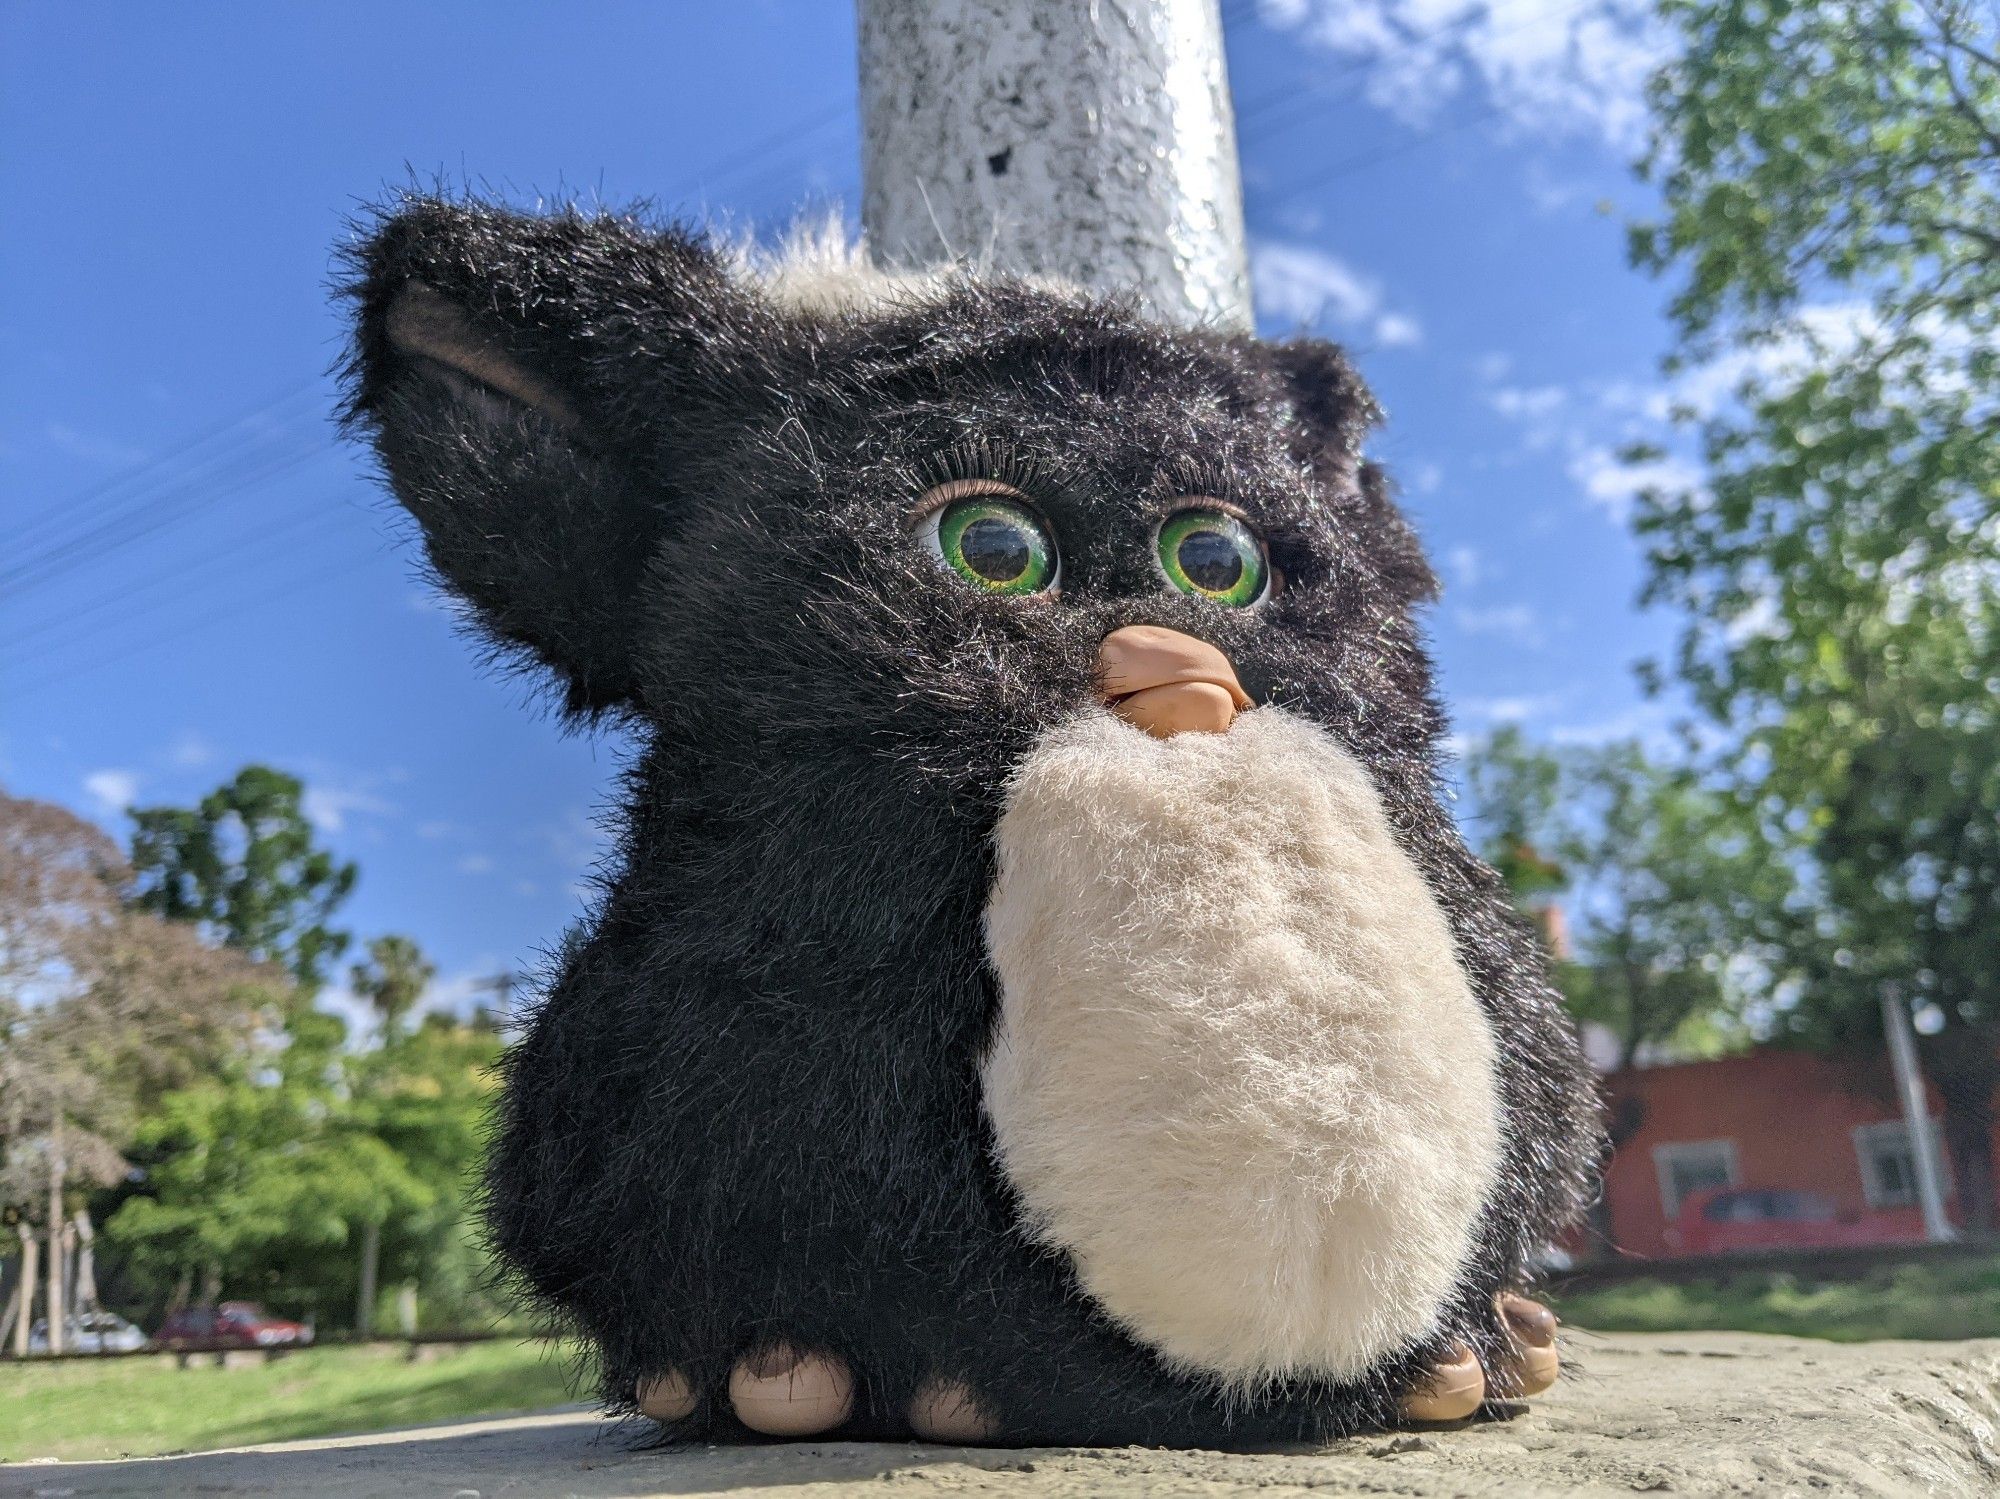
(1038, 995)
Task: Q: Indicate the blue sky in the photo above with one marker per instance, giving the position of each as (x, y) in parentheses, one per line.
(207, 577)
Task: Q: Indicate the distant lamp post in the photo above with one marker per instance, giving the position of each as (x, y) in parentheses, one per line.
(1916, 1115)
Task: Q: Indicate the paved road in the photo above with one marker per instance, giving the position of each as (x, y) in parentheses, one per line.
(1714, 1413)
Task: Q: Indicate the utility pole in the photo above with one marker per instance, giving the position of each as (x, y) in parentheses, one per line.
(371, 1258)
(502, 986)
(1916, 1115)
(1088, 140)
(57, 1167)
(29, 1246)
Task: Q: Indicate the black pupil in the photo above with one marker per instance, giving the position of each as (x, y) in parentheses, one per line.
(1211, 561)
(995, 549)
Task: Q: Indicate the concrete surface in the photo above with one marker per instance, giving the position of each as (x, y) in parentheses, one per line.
(1696, 1413)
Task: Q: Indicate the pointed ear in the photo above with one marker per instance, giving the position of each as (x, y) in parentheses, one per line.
(533, 386)
(1332, 413)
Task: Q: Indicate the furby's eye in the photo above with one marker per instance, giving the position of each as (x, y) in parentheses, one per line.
(1213, 555)
(993, 540)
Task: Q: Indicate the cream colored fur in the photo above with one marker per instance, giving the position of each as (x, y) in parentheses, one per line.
(821, 269)
(1238, 1073)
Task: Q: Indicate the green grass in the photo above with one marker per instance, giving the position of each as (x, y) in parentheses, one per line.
(131, 1407)
(1944, 1299)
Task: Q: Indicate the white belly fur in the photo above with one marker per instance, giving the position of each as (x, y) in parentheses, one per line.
(1238, 1074)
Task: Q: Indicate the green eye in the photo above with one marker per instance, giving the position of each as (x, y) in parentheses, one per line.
(1213, 555)
(997, 543)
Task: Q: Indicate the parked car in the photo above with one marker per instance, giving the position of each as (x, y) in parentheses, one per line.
(1729, 1220)
(93, 1332)
(241, 1324)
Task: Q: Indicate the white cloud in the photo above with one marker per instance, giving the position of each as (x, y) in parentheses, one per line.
(1613, 485)
(1550, 69)
(475, 864)
(1540, 410)
(1514, 622)
(328, 807)
(1649, 722)
(1396, 330)
(1424, 478)
(112, 790)
(1551, 194)
(191, 751)
(1527, 402)
(1518, 708)
(1304, 287)
(1465, 565)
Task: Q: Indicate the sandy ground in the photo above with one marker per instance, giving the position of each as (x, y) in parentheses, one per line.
(1695, 1413)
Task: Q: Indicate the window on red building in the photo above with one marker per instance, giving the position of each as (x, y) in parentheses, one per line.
(1889, 1165)
(1686, 1167)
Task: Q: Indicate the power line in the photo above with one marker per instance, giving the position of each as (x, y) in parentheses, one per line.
(158, 510)
(288, 588)
(79, 507)
(1360, 160)
(176, 572)
(1313, 96)
(104, 533)
(82, 507)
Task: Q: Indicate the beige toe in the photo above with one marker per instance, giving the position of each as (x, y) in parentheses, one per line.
(1532, 1360)
(783, 1394)
(944, 1410)
(1452, 1391)
(666, 1397)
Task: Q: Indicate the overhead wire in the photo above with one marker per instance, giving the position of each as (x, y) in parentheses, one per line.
(181, 570)
(287, 588)
(80, 506)
(1314, 94)
(111, 518)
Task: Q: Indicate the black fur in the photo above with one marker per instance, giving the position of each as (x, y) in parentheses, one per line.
(748, 1110)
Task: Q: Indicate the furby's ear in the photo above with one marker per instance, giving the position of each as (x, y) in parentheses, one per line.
(1332, 411)
(536, 387)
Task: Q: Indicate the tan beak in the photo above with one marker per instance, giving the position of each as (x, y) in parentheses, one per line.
(1168, 683)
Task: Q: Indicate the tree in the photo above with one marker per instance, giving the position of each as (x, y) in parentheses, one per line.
(392, 981)
(427, 1095)
(1831, 184)
(102, 1008)
(1667, 878)
(1517, 787)
(263, 1170)
(244, 864)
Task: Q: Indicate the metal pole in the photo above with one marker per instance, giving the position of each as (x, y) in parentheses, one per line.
(1088, 140)
(1916, 1116)
(55, 1295)
(30, 1246)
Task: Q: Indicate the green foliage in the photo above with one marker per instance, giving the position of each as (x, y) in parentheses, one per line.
(260, 1180)
(244, 863)
(1518, 788)
(1947, 1299)
(94, 1409)
(1831, 177)
(393, 980)
(267, 1167)
(426, 1096)
(1664, 873)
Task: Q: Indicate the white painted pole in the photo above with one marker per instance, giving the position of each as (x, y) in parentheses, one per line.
(1916, 1116)
(1090, 140)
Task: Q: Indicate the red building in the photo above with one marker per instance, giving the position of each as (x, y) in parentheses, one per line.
(1820, 1136)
